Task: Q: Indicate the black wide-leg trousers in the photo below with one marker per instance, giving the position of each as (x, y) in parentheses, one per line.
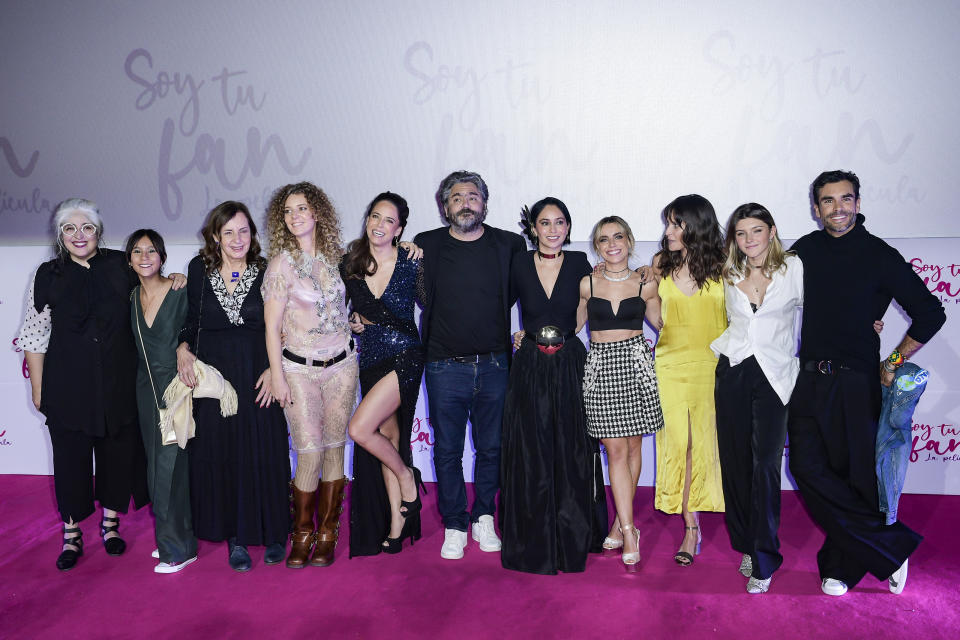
(751, 429)
(833, 432)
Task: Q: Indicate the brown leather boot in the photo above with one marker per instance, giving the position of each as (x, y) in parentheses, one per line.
(304, 532)
(328, 518)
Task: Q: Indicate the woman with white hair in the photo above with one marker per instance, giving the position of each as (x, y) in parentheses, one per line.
(83, 364)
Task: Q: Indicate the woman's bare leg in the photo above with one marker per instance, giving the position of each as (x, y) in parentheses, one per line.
(381, 402)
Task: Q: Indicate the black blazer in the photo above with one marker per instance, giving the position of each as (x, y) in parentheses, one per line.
(508, 245)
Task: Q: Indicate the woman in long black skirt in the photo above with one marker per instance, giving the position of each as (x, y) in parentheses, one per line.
(552, 500)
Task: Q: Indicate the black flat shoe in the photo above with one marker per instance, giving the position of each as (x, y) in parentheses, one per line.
(274, 553)
(407, 509)
(68, 557)
(115, 546)
(239, 557)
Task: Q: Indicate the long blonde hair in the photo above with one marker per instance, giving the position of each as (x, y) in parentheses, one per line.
(326, 233)
(736, 264)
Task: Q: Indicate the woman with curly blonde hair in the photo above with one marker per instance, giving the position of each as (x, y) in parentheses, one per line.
(313, 362)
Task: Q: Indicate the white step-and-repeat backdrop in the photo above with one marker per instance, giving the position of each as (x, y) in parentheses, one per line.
(160, 111)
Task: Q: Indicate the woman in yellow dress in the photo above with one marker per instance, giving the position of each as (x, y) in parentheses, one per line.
(688, 267)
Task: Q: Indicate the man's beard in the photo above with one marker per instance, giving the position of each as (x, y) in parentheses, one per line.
(466, 220)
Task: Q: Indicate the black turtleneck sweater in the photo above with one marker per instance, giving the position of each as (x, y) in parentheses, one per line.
(848, 282)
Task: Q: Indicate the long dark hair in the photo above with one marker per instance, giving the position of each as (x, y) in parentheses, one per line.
(155, 239)
(359, 262)
(219, 216)
(528, 218)
(701, 238)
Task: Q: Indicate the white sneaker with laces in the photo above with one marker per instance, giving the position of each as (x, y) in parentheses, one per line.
(173, 567)
(833, 587)
(454, 541)
(898, 579)
(484, 533)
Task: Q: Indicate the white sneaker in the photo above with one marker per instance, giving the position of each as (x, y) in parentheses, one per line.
(755, 585)
(899, 578)
(746, 566)
(173, 567)
(833, 587)
(454, 542)
(155, 554)
(484, 533)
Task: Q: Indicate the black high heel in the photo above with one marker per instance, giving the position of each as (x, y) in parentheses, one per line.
(395, 545)
(68, 557)
(114, 546)
(415, 505)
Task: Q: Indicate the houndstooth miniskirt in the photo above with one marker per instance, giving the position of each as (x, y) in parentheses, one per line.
(620, 391)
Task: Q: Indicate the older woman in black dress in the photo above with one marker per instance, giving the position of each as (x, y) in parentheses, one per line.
(80, 352)
(239, 466)
(552, 499)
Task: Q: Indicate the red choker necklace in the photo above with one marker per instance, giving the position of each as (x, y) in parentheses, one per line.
(547, 256)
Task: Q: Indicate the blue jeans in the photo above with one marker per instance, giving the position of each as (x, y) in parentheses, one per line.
(457, 391)
(893, 434)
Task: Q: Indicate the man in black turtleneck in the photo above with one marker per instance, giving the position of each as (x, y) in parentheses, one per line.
(850, 277)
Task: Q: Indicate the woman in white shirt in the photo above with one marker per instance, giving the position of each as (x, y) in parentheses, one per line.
(756, 372)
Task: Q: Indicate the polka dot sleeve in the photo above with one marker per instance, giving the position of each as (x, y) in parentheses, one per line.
(35, 332)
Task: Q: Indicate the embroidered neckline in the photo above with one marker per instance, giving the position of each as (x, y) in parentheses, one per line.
(232, 303)
(331, 307)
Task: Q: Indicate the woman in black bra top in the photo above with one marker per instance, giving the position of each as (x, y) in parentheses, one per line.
(619, 385)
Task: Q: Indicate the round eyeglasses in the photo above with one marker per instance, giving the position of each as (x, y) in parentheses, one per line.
(88, 229)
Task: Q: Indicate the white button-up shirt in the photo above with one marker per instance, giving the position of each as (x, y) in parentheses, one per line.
(770, 334)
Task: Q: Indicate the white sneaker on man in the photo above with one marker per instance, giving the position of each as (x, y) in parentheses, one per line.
(484, 533)
(173, 567)
(454, 542)
(898, 579)
(833, 587)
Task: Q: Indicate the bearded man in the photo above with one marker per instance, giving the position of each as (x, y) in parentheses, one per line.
(465, 327)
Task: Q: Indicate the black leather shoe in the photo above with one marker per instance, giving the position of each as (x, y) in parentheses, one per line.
(239, 557)
(274, 553)
(68, 557)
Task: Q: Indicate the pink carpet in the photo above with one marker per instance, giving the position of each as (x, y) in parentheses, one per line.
(419, 595)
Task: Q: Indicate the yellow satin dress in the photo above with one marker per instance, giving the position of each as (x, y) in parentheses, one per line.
(686, 369)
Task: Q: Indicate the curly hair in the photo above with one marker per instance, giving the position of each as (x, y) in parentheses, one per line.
(701, 238)
(326, 233)
(736, 263)
(219, 216)
(358, 261)
(528, 218)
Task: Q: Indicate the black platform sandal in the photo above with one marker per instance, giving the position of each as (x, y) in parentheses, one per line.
(115, 546)
(395, 545)
(407, 509)
(68, 557)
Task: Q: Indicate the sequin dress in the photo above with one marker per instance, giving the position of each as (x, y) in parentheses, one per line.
(391, 343)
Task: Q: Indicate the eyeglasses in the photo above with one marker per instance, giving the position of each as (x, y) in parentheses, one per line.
(87, 229)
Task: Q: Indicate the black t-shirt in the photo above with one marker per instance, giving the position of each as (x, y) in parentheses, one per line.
(467, 316)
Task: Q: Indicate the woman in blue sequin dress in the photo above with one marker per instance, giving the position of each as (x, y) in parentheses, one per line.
(382, 283)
